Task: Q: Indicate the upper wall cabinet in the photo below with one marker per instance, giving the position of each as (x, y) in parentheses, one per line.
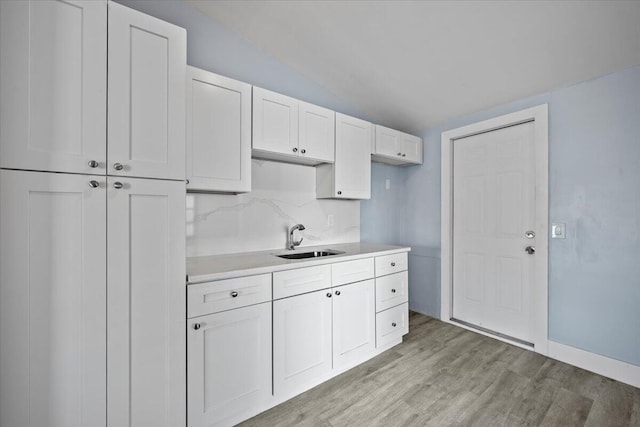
(396, 148)
(218, 133)
(350, 176)
(147, 67)
(290, 130)
(53, 85)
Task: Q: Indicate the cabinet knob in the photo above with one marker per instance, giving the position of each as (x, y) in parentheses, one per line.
(118, 166)
(399, 154)
(197, 326)
(404, 155)
(94, 184)
(394, 324)
(186, 181)
(393, 264)
(339, 193)
(93, 164)
(234, 294)
(303, 151)
(295, 149)
(337, 292)
(328, 294)
(393, 291)
(117, 185)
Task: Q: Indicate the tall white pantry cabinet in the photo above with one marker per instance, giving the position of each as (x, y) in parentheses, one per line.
(92, 242)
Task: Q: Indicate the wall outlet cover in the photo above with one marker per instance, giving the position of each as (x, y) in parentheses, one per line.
(558, 231)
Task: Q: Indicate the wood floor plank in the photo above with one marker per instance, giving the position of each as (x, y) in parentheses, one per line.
(443, 375)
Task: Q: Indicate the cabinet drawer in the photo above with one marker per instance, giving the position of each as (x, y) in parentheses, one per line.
(391, 264)
(212, 297)
(301, 280)
(391, 290)
(392, 324)
(351, 271)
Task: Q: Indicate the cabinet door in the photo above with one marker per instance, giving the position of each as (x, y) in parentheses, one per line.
(52, 300)
(146, 303)
(387, 142)
(353, 158)
(229, 366)
(411, 148)
(301, 342)
(354, 323)
(317, 132)
(275, 122)
(147, 70)
(53, 85)
(218, 133)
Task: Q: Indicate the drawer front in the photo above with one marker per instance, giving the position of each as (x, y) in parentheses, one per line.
(302, 280)
(389, 264)
(391, 290)
(352, 271)
(221, 295)
(392, 324)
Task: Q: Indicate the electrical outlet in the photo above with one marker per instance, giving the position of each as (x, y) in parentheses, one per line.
(558, 231)
(330, 220)
(387, 184)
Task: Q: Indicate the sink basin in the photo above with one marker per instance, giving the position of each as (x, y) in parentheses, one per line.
(313, 254)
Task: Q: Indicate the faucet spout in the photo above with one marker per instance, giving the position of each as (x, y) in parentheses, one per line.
(293, 243)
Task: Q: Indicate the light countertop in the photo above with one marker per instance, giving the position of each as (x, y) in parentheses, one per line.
(216, 267)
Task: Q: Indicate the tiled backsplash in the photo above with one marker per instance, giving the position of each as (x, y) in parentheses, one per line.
(282, 195)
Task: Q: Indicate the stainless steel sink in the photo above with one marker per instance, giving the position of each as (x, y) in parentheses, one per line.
(313, 254)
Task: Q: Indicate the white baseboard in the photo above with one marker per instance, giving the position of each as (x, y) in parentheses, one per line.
(602, 365)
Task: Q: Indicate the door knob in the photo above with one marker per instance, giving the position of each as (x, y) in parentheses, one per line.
(530, 250)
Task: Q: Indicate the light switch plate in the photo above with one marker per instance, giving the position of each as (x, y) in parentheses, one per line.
(557, 231)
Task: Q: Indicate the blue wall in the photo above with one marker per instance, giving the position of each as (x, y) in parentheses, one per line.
(594, 162)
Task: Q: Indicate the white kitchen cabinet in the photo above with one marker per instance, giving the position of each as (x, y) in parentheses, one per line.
(146, 314)
(52, 299)
(392, 290)
(354, 323)
(53, 85)
(290, 130)
(391, 325)
(229, 370)
(218, 133)
(395, 147)
(146, 97)
(301, 341)
(349, 177)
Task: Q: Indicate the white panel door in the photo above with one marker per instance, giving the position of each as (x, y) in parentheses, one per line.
(353, 158)
(218, 133)
(275, 122)
(147, 70)
(146, 303)
(494, 207)
(53, 85)
(354, 323)
(301, 341)
(317, 132)
(229, 364)
(52, 300)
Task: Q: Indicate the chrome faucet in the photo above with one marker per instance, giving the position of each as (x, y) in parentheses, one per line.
(293, 243)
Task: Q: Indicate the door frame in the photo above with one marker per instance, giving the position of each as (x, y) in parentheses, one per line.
(539, 115)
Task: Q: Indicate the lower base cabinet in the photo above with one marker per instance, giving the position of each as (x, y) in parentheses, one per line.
(229, 365)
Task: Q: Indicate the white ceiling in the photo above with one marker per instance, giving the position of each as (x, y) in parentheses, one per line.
(412, 64)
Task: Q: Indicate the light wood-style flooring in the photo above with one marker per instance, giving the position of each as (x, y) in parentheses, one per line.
(443, 375)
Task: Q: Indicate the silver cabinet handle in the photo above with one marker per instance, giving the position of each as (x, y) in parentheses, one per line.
(303, 151)
(328, 294)
(93, 164)
(530, 250)
(394, 324)
(234, 294)
(117, 185)
(393, 291)
(197, 326)
(530, 234)
(118, 166)
(94, 184)
(404, 155)
(393, 264)
(337, 292)
(399, 154)
(339, 193)
(295, 149)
